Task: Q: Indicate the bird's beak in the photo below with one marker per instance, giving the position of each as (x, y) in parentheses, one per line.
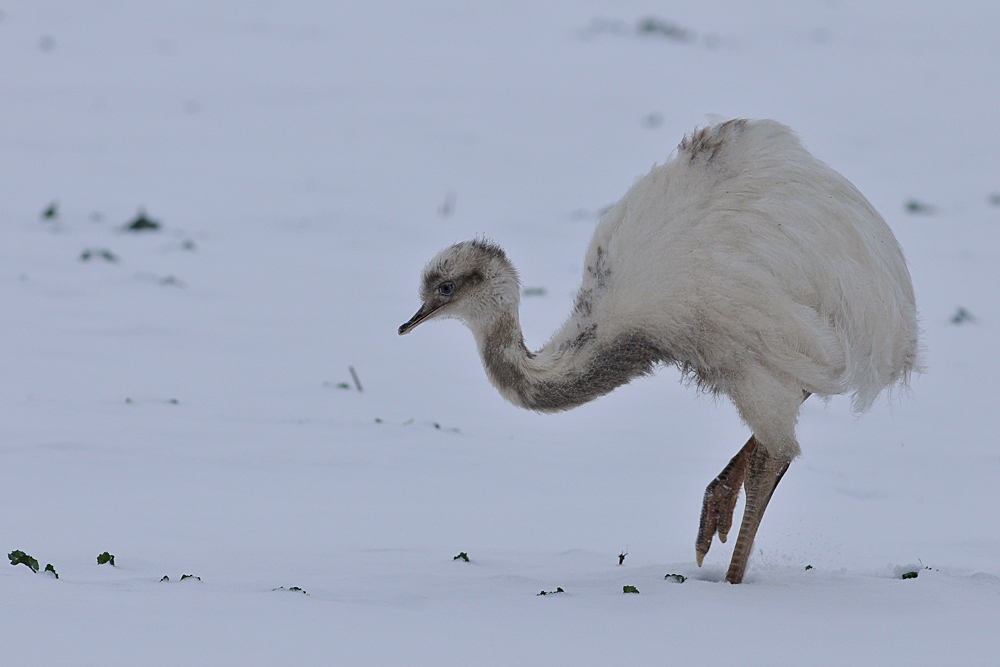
(421, 315)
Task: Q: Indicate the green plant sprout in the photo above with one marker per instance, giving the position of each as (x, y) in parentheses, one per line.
(293, 588)
(142, 223)
(18, 557)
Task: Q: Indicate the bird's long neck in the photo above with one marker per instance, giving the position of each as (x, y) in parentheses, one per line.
(560, 377)
(507, 360)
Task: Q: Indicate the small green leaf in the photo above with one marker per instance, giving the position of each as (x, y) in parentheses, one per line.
(18, 557)
(464, 556)
(189, 576)
(630, 589)
(908, 575)
(961, 316)
(106, 558)
(659, 27)
(558, 590)
(103, 253)
(165, 578)
(809, 567)
(677, 578)
(142, 223)
(293, 588)
(51, 212)
(918, 207)
(49, 568)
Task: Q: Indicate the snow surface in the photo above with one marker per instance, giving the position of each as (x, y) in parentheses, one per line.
(180, 407)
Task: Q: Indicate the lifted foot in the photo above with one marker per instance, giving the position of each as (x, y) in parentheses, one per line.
(720, 500)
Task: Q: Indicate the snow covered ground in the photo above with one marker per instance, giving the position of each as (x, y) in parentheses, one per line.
(175, 398)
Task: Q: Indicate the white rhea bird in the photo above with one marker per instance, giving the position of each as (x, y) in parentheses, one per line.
(759, 271)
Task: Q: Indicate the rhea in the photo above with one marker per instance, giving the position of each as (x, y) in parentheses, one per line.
(760, 272)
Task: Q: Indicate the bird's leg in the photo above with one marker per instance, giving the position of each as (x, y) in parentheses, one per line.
(720, 500)
(762, 476)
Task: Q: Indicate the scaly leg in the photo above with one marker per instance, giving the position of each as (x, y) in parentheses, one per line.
(762, 476)
(720, 500)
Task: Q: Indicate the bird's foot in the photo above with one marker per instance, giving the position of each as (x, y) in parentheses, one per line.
(720, 501)
(762, 475)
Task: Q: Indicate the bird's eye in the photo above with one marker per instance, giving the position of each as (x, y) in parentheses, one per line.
(445, 289)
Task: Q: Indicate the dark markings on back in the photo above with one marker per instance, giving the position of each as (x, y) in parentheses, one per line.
(585, 336)
(707, 141)
(584, 303)
(602, 271)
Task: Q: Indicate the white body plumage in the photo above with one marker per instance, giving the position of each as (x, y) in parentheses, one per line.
(754, 267)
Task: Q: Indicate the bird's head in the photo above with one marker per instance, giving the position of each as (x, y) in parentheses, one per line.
(472, 281)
